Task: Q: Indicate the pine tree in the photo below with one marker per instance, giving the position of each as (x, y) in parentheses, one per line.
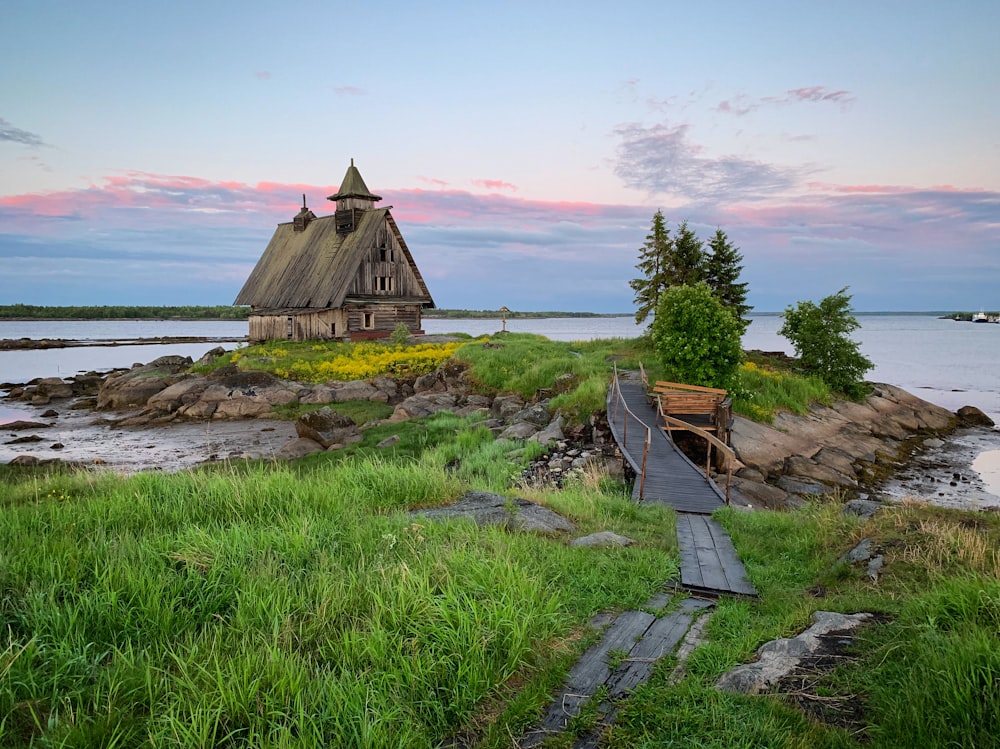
(722, 272)
(654, 262)
(687, 260)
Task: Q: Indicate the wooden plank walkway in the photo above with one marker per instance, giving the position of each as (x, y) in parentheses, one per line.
(671, 477)
(623, 658)
(709, 563)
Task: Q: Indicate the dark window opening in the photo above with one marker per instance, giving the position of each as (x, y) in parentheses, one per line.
(369, 320)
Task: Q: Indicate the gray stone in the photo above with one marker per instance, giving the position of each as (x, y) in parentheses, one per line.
(298, 448)
(538, 414)
(133, 388)
(419, 406)
(808, 470)
(758, 494)
(602, 539)
(429, 383)
(356, 390)
(778, 658)
(519, 431)
(210, 356)
(875, 567)
(388, 441)
(864, 508)
(861, 552)
(327, 427)
(797, 486)
(552, 433)
(495, 509)
(507, 405)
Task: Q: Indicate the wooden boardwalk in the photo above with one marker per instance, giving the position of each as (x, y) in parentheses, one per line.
(622, 660)
(709, 563)
(671, 478)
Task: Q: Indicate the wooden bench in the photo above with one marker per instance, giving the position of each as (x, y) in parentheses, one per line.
(707, 409)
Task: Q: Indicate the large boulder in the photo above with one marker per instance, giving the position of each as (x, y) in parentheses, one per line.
(327, 428)
(134, 387)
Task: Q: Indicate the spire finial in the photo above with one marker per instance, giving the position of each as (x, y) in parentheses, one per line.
(303, 201)
(352, 162)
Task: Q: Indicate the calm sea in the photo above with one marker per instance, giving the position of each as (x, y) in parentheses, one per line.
(945, 362)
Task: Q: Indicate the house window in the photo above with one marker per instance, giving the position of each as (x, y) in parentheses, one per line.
(369, 320)
(289, 327)
(383, 283)
(385, 254)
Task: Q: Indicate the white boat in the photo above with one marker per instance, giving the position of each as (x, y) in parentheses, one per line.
(980, 317)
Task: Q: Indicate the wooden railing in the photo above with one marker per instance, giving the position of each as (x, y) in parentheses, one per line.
(616, 406)
(725, 450)
(674, 397)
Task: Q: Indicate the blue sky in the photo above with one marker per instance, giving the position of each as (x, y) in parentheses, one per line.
(147, 151)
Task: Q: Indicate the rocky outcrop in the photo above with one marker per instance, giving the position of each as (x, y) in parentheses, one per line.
(134, 387)
(832, 448)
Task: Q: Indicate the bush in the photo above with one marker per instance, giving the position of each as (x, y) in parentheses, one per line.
(697, 339)
(821, 337)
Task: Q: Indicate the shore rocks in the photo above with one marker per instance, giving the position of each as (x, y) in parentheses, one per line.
(511, 513)
(832, 448)
(134, 387)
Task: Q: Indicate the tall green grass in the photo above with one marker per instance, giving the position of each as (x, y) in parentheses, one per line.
(279, 606)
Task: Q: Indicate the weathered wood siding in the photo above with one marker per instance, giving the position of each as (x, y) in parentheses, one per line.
(385, 317)
(320, 325)
(384, 259)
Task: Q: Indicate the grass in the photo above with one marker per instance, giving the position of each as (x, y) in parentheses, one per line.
(273, 605)
(303, 605)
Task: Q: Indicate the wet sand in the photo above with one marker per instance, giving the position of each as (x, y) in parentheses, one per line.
(169, 447)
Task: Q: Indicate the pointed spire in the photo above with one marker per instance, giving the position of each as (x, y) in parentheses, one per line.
(353, 186)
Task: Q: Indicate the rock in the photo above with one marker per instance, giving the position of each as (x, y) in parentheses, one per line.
(552, 433)
(327, 427)
(864, 508)
(19, 425)
(298, 448)
(861, 552)
(874, 567)
(133, 388)
(24, 440)
(429, 383)
(538, 414)
(797, 486)
(602, 539)
(758, 494)
(385, 385)
(522, 430)
(57, 446)
(50, 414)
(27, 460)
(778, 658)
(803, 468)
(506, 405)
(479, 401)
(419, 406)
(355, 390)
(388, 441)
(495, 509)
(210, 356)
(970, 416)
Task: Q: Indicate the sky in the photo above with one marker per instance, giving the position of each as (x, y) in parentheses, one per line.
(148, 150)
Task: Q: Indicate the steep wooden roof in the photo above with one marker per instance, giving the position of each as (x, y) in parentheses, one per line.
(314, 268)
(353, 186)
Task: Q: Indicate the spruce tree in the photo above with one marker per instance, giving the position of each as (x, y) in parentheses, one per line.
(722, 272)
(654, 261)
(687, 260)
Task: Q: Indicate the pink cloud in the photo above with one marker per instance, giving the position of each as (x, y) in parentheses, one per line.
(262, 75)
(821, 93)
(349, 91)
(494, 184)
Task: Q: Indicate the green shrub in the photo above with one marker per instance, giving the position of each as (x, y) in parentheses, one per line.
(697, 339)
(821, 337)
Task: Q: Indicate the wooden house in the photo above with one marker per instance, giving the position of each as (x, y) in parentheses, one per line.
(347, 276)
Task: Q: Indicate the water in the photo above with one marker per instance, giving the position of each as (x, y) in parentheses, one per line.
(945, 362)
